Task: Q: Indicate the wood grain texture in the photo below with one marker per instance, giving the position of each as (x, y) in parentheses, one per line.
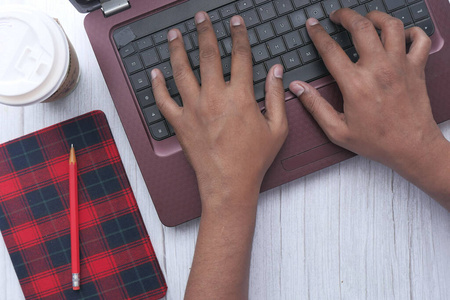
(356, 230)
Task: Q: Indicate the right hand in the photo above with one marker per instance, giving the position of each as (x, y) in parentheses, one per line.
(387, 115)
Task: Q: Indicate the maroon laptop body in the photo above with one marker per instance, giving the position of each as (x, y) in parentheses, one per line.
(170, 179)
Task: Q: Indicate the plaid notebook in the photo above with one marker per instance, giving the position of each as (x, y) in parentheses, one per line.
(116, 257)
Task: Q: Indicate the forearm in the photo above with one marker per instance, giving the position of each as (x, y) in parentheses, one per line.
(431, 172)
(220, 268)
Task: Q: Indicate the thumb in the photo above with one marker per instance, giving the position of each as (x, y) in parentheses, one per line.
(331, 121)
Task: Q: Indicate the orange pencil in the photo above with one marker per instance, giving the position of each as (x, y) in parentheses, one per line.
(74, 230)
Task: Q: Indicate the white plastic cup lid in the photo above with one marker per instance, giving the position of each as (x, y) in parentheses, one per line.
(34, 55)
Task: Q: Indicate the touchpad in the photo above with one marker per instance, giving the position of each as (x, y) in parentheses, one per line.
(306, 142)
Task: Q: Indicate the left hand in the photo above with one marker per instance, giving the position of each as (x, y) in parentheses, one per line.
(227, 140)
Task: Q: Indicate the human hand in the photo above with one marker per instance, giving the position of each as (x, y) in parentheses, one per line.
(387, 115)
(227, 140)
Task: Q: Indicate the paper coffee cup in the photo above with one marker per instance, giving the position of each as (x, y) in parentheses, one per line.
(37, 60)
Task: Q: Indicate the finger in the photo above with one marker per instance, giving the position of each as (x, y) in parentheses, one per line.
(210, 64)
(392, 31)
(185, 79)
(335, 59)
(241, 58)
(331, 121)
(364, 35)
(275, 105)
(166, 105)
(420, 46)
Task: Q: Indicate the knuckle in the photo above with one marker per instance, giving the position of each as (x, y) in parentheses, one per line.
(180, 71)
(393, 23)
(241, 50)
(329, 46)
(361, 24)
(209, 53)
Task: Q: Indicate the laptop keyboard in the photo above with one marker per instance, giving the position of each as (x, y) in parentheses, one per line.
(277, 35)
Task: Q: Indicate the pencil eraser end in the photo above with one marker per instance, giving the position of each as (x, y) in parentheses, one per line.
(76, 288)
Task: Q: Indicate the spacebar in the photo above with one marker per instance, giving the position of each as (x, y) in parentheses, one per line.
(308, 73)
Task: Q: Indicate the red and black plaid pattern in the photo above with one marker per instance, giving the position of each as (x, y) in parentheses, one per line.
(116, 257)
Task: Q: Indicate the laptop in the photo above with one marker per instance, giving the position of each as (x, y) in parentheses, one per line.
(129, 40)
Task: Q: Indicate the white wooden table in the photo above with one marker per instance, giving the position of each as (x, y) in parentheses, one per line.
(356, 230)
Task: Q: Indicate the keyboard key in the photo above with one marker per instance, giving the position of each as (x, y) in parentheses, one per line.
(252, 38)
(305, 35)
(328, 26)
(259, 90)
(165, 68)
(266, 12)
(221, 51)
(276, 46)
(394, 4)
(361, 9)
(197, 75)
(127, 50)
(293, 39)
(298, 18)
(244, 5)
(315, 11)
(227, 45)
(171, 87)
(194, 38)
(308, 53)
(170, 127)
(308, 73)
(258, 2)
(272, 62)
(301, 3)
(191, 25)
(181, 27)
(160, 37)
(291, 60)
(152, 114)
(349, 3)
(219, 30)
(226, 65)
(427, 26)
(259, 73)
(281, 25)
(133, 64)
(228, 11)
(250, 18)
(265, 32)
(150, 57)
(331, 5)
(159, 131)
(163, 51)
(260, 53)
(187, 42)
(419, 11)
(283, 6)
(376, 5)
(145, 97)
(139, 81)
(352, 54)
(144, 43)
(404, 15)
(194, 57)
(226, 24)
(342, 39)
(214, 15)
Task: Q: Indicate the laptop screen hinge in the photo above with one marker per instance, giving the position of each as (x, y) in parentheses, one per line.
(112, 7)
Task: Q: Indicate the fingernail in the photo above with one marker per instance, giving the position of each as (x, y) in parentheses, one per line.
(312, 22)
(278, 72)
(235, 21)
(172, 35)
(297, 89)
(154, 74)
(200, 17)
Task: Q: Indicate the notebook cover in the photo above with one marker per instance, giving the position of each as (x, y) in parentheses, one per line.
(116, 256)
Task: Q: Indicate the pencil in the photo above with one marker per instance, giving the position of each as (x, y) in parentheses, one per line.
(74, 230)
